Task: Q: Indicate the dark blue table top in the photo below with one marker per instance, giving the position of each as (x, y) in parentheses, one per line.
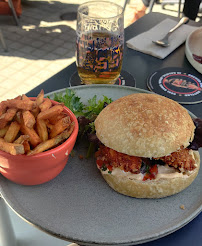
(141, 66)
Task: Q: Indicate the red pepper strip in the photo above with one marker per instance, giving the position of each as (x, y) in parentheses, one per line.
(99, 163)
(153, 171)
(110, 168)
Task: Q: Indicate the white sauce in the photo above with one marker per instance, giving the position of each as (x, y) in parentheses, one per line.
(119, 172)
(164, 172)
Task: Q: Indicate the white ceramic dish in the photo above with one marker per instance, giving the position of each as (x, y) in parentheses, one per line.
(193, 49)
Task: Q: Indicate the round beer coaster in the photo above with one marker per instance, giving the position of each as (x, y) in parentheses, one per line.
(177, 84)
(124, 78)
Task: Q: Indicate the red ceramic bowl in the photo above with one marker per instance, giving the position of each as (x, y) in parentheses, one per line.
(42, 167)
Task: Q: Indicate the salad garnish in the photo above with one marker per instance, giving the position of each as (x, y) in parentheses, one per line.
(85, 113)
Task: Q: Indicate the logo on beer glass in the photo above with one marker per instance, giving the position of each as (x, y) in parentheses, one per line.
(100, 54)
(100, 25)
(100, 39)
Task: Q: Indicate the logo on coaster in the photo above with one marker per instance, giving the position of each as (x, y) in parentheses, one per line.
(176, 84)
(124, 78)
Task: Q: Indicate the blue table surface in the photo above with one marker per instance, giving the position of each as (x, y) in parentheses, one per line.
(141, 66)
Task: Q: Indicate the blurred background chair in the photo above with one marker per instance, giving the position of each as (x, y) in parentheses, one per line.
(15, 16)
(10, 3)
(162, 2)
(3, 41)
(8, 7)
(167, 2)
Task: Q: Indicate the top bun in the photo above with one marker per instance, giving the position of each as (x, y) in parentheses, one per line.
(145, 125)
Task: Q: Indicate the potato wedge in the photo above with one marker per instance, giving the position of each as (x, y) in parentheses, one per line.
(54, 120)
(3, 131)
(12, 132)
(40, 97)
(24, 140)
(60, 126)
(18, 117)
(42, 130)
(24, 97)
(11, 148)
(26, 145)
(53, 142)
(21, 139)
(3, 107)
(51, 112)
(34, 137)
(21, 104)
(48, 124)
(46, 104)
(7, 117)
(28, 118)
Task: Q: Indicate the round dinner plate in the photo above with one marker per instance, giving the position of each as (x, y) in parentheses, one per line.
(79, 206)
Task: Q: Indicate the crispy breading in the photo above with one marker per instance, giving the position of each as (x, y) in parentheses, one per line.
(181, 160)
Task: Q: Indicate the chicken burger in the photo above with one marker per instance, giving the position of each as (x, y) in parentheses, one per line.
(144, 146)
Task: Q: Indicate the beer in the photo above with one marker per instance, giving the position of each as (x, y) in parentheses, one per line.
(99, 57)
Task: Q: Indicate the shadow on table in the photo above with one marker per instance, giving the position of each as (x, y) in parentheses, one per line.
(45, 27)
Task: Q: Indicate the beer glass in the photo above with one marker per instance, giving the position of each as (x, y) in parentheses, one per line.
(100, 41)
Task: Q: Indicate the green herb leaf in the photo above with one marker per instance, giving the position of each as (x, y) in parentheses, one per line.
(94, 107)
(90, 111)
(91, 150)
(71, 101)
(147, 169)
(104, 168)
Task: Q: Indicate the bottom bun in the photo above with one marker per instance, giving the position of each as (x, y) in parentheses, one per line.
(151, 188)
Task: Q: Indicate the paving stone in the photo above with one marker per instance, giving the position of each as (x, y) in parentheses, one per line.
(37, 44)
(2, 79)
(48, 47)
(18, 65)
(20, 75)
(6, 72)
(9, 83)
(26, 49)
(15, 45)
